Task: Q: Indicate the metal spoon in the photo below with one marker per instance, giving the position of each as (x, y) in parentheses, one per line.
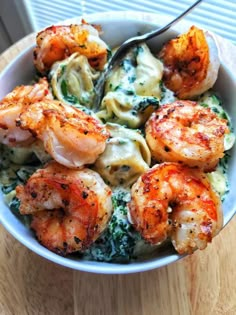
(99, 87)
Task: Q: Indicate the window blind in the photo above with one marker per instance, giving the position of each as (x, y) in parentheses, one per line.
(215, 15)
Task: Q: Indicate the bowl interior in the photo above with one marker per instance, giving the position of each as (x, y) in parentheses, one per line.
(115, 31)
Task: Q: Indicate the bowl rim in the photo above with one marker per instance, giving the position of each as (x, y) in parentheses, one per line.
(85, 265)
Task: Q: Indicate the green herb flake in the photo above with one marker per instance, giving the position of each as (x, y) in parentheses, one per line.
(68, 97)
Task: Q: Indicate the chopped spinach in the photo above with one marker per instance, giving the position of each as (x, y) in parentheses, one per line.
(109, 54)
(127, 65)
(118, 241)
(63, 69)
(142, 103)
(6, 189)
(68, 97)
(25, 172)
(14, 205)
(138, 50)
(123, 90)
(131, 78)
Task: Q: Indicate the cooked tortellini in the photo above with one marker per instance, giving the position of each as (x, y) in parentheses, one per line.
(73, 79)
(133, 90)
(125, 158)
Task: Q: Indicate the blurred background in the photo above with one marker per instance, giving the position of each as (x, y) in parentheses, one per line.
(21, 17)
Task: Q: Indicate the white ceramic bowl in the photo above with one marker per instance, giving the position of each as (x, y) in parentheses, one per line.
(117, 27)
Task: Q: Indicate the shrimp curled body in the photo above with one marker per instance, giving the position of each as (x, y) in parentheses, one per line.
(56, 43)
(70, 136)
(11, 107)
(172, 200)
(186, 132)
(191, 63)
(69, 208)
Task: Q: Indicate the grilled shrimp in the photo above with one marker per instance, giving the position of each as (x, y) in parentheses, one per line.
(70, 208)
(12, 105)
(175, 201)
(186, 132)
(70, 136)
(191, 63)
(59, 42)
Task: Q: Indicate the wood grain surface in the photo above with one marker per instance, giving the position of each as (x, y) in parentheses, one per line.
(201, 284)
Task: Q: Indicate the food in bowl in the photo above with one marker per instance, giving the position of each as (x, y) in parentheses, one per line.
(53, 120)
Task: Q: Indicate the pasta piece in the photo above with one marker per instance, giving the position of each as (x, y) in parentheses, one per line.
(73, 80)
(58, 42)
(125, 158)
(133, 89)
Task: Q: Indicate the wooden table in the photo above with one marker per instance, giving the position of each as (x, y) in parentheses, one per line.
(201, 284)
